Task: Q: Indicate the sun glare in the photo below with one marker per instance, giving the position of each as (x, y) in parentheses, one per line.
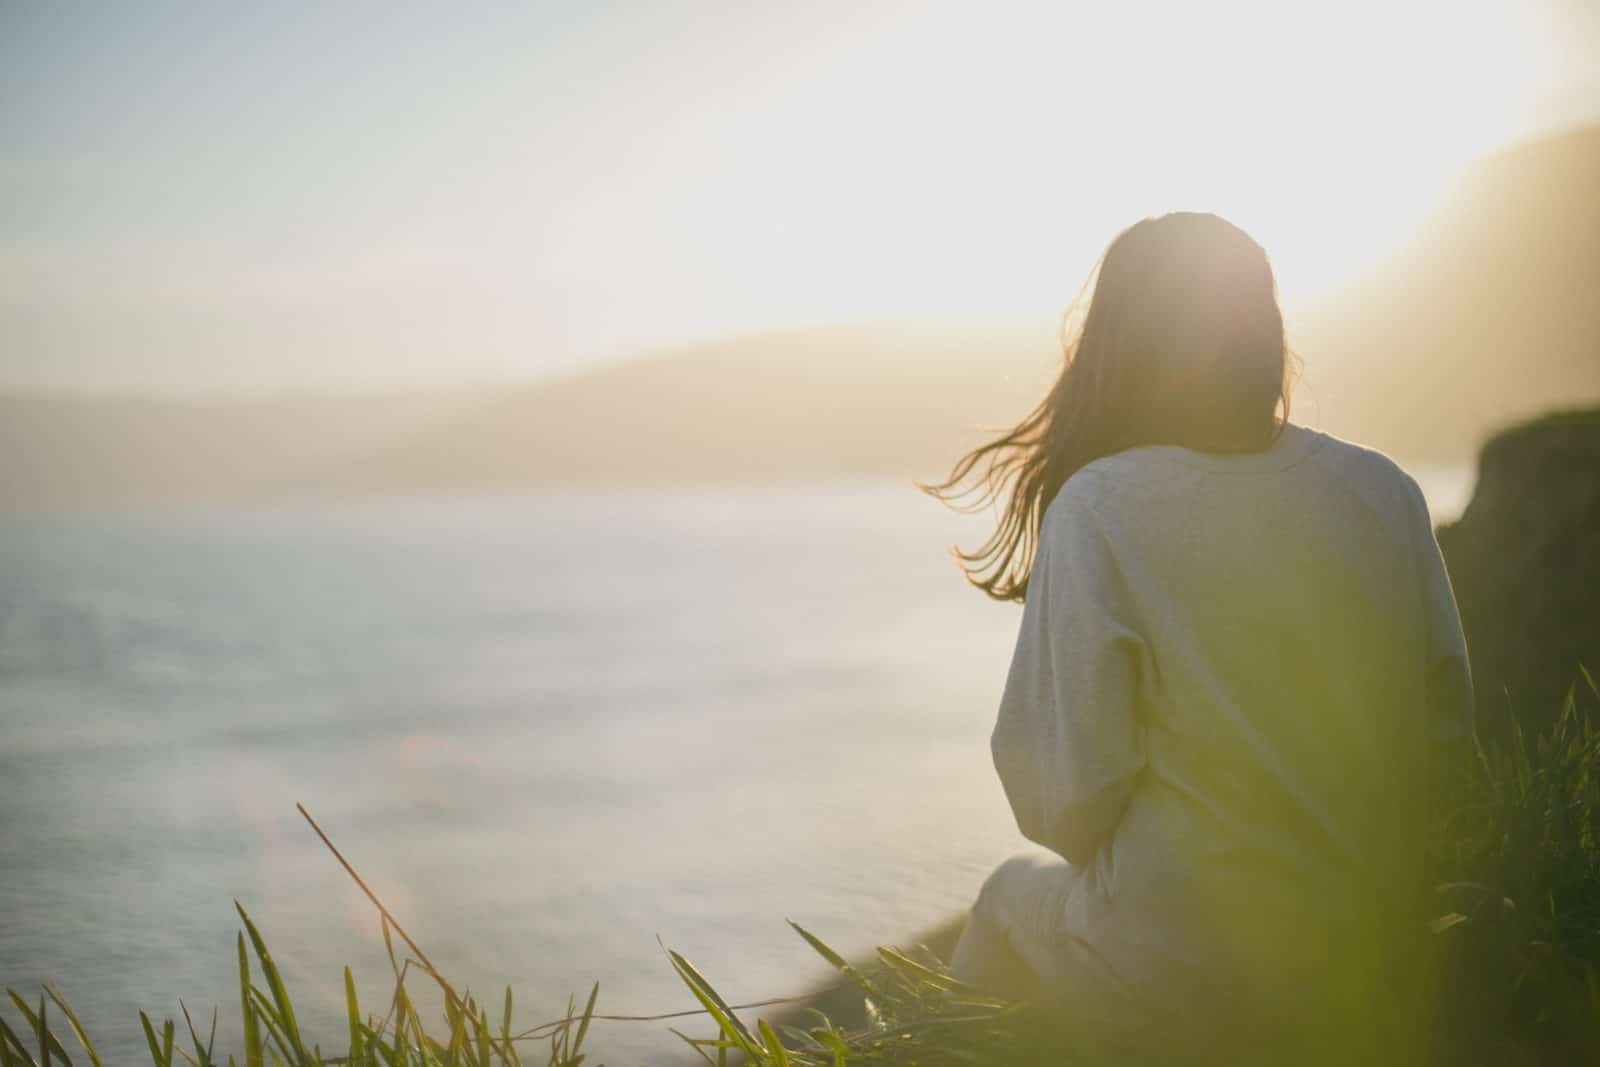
(1356, 163)
(1328, 134)
(1332, 156)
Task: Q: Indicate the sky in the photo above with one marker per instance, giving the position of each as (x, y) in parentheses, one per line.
(246, 197)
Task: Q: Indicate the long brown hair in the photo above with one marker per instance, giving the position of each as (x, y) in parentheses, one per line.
(1181, 343)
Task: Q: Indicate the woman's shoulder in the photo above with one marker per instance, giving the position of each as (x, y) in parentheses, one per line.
(1342, 450)
(1296, 447)
(1137, 483)
(1373, 469)
(1104, 495)
(1077, 505)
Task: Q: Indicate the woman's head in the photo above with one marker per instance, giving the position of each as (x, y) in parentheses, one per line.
(1180, 342)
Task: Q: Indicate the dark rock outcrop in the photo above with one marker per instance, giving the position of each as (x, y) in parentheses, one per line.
(1525, 563)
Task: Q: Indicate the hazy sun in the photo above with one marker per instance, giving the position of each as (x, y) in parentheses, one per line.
(1332, 138)
(1328, 131)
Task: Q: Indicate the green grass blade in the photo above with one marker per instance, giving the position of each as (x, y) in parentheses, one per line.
(508, 1048)
(910, 967)
(562, 1037)
(402, 1050)
(76, 1025)
(156, 1055)
(774, 1047)
(353, 1014)
(458, 1030)
(799, 1037)
(839, 962)
(388, 946)
(481, 1033)
(280, 995)
(588, 1014)
(13, 1044)
(49, 1044)
(202, 1054)
(831, 1039)
(712, 1001)
(270, 1019)
(385, 1052)
(252, 1025)
(44, 1034)
(402, 1019)
(692, 1043)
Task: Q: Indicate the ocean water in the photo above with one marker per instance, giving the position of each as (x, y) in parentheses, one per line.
(548, 729)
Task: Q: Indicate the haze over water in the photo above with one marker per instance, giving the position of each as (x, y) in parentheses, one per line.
(547, 728)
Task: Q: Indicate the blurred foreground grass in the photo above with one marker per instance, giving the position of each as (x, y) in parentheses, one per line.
(1512, 950)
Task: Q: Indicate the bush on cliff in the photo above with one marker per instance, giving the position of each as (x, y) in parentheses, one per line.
(1525, 563)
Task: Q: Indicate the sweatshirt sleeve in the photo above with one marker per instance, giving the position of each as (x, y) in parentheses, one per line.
(1066, 744)
(1449, 676)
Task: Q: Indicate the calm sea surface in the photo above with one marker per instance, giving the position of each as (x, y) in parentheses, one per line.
(547, 729)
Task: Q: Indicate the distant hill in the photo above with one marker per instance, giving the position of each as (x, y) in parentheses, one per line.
(840, 402)
(64, 447)
(866, 401)
(1490, 314)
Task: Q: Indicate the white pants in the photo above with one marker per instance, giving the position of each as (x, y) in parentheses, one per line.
(1016, 943)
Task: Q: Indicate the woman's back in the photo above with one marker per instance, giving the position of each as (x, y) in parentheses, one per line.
(1244, 649)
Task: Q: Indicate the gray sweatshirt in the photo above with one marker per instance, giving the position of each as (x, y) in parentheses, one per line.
(1229, 679)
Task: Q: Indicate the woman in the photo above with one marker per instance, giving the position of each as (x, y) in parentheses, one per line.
(1238, 655)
